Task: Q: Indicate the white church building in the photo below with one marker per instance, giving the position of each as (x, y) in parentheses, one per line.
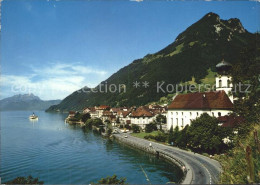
(187, 107)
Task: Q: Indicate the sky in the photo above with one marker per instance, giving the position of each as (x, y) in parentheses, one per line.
(52, 48)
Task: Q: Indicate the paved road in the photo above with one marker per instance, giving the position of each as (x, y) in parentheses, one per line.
(204, 170)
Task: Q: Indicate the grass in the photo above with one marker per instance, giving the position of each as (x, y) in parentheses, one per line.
(210, 78)
(234, 163)
(192, 43)
(142, 134)
(178, 49)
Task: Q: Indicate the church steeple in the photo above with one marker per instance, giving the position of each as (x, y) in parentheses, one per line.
(223, 79)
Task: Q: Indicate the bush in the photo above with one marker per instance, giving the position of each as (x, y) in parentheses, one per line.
(136, 128)
(149, 136)
(25, 180)
(78, 116)
(128, 127)
(161, 137)
(74, 119)
(111, 180)
(150, 127)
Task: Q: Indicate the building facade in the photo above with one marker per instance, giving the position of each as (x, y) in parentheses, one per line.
(187, 107)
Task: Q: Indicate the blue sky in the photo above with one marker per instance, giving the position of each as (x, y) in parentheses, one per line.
(52, 48)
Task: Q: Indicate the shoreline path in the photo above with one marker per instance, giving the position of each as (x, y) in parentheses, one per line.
(200, 169)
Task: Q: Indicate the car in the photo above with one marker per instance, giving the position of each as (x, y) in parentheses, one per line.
(125, 136)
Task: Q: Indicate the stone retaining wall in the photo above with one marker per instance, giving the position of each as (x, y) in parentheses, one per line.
(187, 178)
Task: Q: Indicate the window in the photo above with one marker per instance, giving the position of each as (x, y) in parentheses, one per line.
(213, 114)
(220, 83)
(177, 121)
(228, 83)
(182, 123)
(172, 113)
(190, 114)
(197, 114)
(177, 113)
(219, 113)
(181, 113)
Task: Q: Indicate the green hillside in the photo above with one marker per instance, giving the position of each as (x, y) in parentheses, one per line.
(190, 58)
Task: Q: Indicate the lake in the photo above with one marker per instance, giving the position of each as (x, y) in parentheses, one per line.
(59, 153)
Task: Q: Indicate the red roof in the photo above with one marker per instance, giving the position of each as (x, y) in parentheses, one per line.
(125, 113)
(115, 109)
(142, 112)
(206, 100)
(90, 108)
(103, 107)
(230, 121)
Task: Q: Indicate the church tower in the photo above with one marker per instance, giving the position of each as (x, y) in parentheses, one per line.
(223, 79)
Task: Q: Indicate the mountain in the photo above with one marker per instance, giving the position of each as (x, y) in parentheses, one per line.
(194, 52)
(25, 102)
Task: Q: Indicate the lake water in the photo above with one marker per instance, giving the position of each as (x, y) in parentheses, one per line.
(59, 153)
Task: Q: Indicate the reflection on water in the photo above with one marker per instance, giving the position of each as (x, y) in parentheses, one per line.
(59, 153)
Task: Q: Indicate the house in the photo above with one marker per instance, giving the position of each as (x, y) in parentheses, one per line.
(106, 115)
(187, 107)
(142, 116)
(88, 110)
(71, 114)
(100, 110)
(123, 116)
(115, 110)
(93, 113)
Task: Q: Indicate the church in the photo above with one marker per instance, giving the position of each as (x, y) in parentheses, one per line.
(187, 107)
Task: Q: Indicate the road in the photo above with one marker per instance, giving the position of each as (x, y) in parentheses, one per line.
(203, 169)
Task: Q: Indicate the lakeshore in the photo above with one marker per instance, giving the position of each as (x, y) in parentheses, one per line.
(59, 153)
(197, 169)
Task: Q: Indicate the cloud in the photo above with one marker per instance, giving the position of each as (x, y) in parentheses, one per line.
(54, 81)
(137, 0)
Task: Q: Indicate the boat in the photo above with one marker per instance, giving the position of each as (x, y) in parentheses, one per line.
(33, 116)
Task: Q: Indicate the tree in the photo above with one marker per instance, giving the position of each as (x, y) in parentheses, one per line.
(112, 180)
(205, 135)
(97, 122)
(89, 123)
(85, 117)
(160, 119)
(150, 127)
(25, 180)
(136, 128)
(176, 134)
(183, 138)
(245, 73)
(78, 116)
(170, 136)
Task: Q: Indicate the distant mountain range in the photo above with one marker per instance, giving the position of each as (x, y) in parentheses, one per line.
(26, 102)
(194, 52)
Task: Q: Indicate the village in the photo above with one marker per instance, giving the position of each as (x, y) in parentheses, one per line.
(179, 113)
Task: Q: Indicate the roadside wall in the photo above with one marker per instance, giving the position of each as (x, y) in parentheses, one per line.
(187, 171)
